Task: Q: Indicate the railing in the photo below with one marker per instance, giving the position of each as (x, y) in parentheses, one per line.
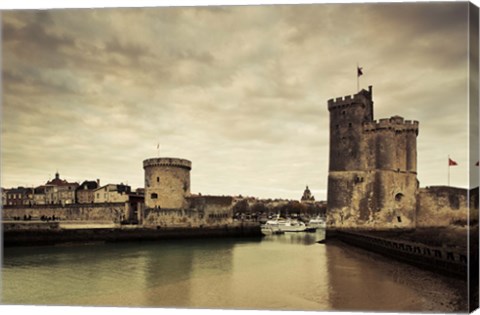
(445, 261)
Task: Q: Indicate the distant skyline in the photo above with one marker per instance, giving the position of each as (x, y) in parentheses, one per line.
(240, 91)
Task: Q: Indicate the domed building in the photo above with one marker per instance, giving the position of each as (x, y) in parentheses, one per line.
(307, 196)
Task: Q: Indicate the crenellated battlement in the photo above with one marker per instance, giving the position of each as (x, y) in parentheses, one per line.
(342, 102)
(362, 97)
(394, 123)
(165, 161)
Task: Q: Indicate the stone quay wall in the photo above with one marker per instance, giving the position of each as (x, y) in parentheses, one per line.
(43, 236)
(439, 259)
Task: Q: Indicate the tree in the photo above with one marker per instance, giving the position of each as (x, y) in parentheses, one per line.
(259, 208)
(241, 207)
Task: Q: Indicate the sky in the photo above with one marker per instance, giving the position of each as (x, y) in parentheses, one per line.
(241, 91)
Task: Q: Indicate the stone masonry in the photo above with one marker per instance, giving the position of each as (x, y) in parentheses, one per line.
(439, 206)
(111, 212)
(167, 182)
(372, 179)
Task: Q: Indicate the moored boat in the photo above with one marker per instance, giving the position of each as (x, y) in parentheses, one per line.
(288, 225)
(270, 230)
(317, 223)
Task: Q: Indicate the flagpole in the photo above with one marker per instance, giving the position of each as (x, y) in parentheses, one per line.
(448, 165)
(358, 79)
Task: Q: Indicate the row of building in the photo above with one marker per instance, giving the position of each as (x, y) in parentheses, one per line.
(61, 192)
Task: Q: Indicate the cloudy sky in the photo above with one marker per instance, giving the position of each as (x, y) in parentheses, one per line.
(240, 91)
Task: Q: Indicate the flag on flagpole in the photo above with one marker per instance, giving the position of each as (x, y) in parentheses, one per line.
(359, 71)
(451, 162)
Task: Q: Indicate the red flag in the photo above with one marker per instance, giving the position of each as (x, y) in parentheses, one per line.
(359, 71)
(451, 162)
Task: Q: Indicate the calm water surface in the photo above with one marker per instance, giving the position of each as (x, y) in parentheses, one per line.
(287, 272)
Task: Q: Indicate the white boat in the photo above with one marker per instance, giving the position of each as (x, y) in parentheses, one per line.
(317, 223)
(269, 230)
(285, 225)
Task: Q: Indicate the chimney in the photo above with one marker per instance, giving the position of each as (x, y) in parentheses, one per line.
(98, 182)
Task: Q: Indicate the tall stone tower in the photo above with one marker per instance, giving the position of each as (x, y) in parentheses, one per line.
(372, 179)
(167, 182)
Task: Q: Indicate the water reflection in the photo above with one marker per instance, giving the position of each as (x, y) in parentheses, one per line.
(364, 281)
(302, 238)
(281, 272)
(175, 271)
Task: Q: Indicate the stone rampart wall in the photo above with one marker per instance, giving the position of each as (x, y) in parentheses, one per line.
(445, 206)
(114, 212)
(218, 210)
(203, 211)
(162, 217)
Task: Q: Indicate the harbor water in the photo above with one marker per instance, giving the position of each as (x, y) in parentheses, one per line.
(278, 272)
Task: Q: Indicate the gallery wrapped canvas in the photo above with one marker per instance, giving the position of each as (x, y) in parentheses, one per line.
(285, 157)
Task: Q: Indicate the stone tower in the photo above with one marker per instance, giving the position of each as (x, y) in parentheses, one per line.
(372, 179)
(167, 182)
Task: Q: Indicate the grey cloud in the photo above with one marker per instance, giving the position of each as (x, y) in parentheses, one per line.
(216, 84)
(202, 57)
(34, 32)
(34, 42)
(33, 81)
(131, 51)
(431, 18)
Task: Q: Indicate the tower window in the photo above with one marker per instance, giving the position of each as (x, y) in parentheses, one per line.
(154, 196)
(349, 125)
(343, 112)
(399, 197)
(158, 179)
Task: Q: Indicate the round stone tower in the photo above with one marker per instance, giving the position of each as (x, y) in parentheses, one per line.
(167, 182)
